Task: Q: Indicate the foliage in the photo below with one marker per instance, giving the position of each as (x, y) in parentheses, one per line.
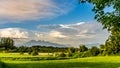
(83, 48)
(62, 54)
(83, 54)
(69, 54)
(102, 49)
(29, 52)
(110, 21)
(22, 49)
(42, 49)
(21, 53)
(71, 50)
(94, 51)
(35, 52)
(7, 43)
(87, 54)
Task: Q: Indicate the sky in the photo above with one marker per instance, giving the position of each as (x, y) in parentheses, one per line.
(58, 21)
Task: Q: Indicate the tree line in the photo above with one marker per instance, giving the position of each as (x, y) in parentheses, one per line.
(7, 44)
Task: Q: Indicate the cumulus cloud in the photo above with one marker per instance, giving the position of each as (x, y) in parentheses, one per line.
(13, 33)
(21, 10)
(56, 34)
(82, 32)
(70, 34)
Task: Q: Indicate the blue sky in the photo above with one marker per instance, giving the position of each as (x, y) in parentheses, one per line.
(57, 19)
(80, 12)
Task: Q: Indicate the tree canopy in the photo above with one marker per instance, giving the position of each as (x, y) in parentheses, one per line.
(110, 21)
(83, 48)
(7, 43)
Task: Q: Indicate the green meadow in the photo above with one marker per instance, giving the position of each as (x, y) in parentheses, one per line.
(45, 34)
(89, 62)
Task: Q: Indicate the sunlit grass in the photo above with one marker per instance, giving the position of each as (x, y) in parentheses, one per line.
(89, 62)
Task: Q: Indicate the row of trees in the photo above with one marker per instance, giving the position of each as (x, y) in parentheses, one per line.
(8, 45)
(42, 49)
(83, 51)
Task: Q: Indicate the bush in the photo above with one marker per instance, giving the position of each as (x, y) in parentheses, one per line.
(29, 52)
(21, 53)
(71, 50)
(82, 54)
(83, 48)
(94, 51)
(62, 54)
(35, 53)
(86, 54)
(56, 54)
(75, 55)
(69, 55)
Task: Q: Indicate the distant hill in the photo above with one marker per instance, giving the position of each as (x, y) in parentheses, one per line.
(42, 43)
(29, 43)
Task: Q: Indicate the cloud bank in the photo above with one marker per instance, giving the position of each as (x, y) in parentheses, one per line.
(85, 33)
(70, 34)
(22, 10)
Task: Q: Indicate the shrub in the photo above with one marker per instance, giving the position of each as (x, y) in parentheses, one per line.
(71, 50)
(82, 54)
(86, 54)
(62, 54)
(35, 53)
(69, 55)
(83, 48)
(21, 53)
(76, 55)
(56, 54)
(29, 52)
(94, 51)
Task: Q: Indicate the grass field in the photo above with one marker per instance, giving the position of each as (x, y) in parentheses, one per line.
(90, 62)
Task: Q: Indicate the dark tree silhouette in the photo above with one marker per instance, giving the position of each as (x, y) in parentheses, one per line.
(7, 43)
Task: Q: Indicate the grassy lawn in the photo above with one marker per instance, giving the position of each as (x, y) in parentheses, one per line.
(91, 62)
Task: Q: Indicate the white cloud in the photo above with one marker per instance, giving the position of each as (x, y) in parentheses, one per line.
(21, 10)
(13, 32)
(85, 33)
(79, 32)
(56, 34)
(70, 25)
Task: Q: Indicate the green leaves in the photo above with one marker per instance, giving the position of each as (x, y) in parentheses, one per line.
(7, 43)
(109, 20)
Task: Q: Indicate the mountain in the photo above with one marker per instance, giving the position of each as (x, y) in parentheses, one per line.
(42, 43)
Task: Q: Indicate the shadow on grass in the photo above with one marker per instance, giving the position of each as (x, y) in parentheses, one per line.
(32, 58)
(64, 65)
(2, 65)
